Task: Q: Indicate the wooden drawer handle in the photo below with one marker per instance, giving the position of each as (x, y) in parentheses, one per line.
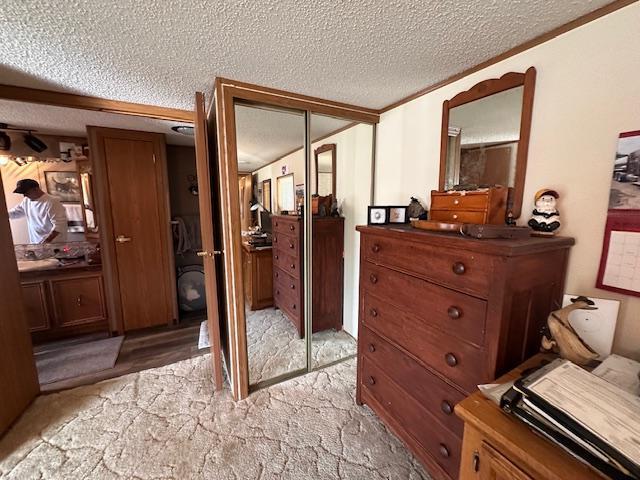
(293, 306)
(276, 257)
(277, 224)
(476, 461)
(275, 239)
(372, 347)
(290, 245)
(444, 451)
(459, 268)
(79, 301)
(277, 292)
(446, 407)
(371, 380)
(292, 228)
(454, 312)
(456, 201)
(375, 248)
(277, 274)
(373, 278)
(293, 287)
(293, 266)
(373, 312)
(451, 359)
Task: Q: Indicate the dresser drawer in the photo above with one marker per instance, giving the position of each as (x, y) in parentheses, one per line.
(462, 270)
(286, 243)
(458, 216)
(458, 314)
(438, 442)
(286, 262)
(285, 282)
(457, 361)
(437, 396)
(456, 201)
(284, 224)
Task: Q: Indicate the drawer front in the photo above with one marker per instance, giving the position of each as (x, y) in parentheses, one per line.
(460, 202)
(458, 216)
(442, 445)
(458, 314)
(437, 396)
(286, 262)
(287, 243)
(462, 270)
(286, 285)
(282, 224)
(78, 300)
(35, 301)
(457, 361)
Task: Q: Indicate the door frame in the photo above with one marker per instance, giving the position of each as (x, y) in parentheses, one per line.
(226, 92)
(95, 137)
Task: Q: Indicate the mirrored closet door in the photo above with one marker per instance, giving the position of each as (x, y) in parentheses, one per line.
(340, 189)
(271, 183)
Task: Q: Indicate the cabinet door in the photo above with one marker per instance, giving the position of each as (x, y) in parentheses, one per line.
(78, 300)
(495, 466)
(35, 302)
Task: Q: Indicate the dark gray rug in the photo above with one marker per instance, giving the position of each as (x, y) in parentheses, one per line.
(77, 360)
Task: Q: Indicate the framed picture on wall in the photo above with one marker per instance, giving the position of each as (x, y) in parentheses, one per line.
(266, 194)
(286, 193)
(63, 185)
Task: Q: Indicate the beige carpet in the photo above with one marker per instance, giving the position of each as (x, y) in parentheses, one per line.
(77, 360)
(165, 423)
(274, 347)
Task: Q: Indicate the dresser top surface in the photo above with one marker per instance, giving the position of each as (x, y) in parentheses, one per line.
(502, 247)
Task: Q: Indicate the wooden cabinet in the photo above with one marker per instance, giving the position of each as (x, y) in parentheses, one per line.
(497, 446)
(62, 303)
(486, 205)
(257, 266)
(440, 314)
(327, 268)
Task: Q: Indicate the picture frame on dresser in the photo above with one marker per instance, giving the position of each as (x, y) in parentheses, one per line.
(377, 216)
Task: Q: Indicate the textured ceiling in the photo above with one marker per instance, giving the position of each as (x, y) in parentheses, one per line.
(71, 121)
(264, 135)
(366, 52)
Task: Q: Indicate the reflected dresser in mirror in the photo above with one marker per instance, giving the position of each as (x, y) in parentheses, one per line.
(439, 314)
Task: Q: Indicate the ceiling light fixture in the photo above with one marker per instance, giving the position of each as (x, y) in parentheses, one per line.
(183, 129)
(34, 143)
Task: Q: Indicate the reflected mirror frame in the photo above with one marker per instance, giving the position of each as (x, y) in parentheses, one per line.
(484, 89)
(327, 147)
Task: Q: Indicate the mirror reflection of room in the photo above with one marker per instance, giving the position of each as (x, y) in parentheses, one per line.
(483, 141)
(341, 191)
(271, 172)
(57, 224)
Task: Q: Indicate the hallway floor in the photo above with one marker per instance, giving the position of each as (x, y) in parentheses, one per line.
(166, 423)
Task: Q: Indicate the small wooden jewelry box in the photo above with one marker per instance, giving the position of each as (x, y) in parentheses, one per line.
(481, 206)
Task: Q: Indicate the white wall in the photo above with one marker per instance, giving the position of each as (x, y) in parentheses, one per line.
(587, 92)
(353, 185)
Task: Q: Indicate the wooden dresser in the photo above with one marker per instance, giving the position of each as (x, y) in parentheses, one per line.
(288, 283)
(257, 273)
(439, 314)
(497, 446)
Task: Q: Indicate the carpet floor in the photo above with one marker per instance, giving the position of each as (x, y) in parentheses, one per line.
(77, 360)
(166, 423)
(274, 347)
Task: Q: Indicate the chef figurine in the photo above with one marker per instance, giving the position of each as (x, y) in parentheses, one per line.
(546, 217)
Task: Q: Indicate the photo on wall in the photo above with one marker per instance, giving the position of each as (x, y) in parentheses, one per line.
(63, 185)
(625, 183)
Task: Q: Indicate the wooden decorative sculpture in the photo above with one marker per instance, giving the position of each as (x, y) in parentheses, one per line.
(563, 339)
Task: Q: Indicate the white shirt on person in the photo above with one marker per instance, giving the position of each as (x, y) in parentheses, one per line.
(44, 215)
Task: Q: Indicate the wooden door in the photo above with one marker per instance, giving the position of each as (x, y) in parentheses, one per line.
(18, 376)
(208, 238)
(136, 235)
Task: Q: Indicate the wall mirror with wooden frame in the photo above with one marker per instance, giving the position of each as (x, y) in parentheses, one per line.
(485, 136)
(324, 158)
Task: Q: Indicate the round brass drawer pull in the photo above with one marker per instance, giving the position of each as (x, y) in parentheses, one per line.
(375, 248)
(372, 381)
(459, 268)
(444, 451)
(373, 312)
(373, 278)
(446, 407)
(451, 359)
(454, 312)
(372, 347)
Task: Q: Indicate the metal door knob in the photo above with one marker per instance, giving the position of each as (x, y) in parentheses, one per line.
(122, 239)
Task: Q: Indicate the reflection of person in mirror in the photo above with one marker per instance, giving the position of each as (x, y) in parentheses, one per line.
(46, 216)
(545, 217)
